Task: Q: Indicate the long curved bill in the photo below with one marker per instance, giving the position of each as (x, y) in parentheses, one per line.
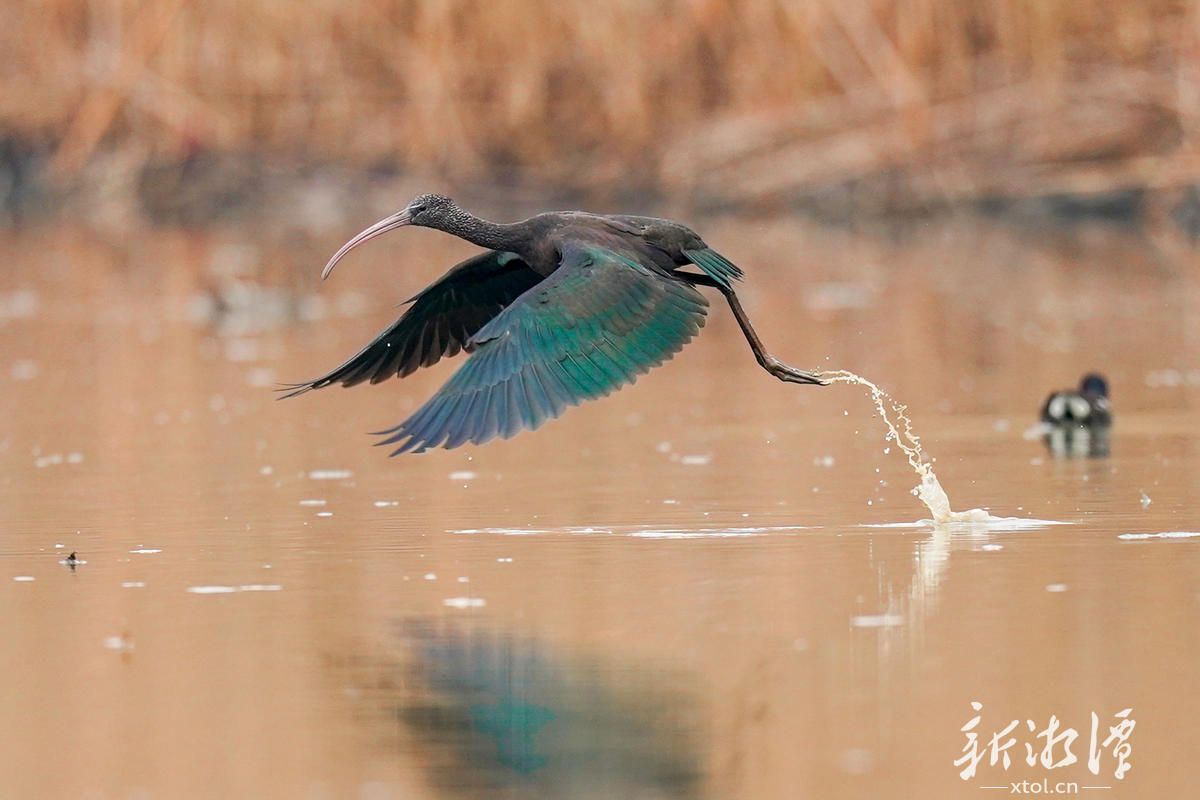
(397, 220)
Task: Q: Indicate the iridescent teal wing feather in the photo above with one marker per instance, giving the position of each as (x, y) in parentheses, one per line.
(439, 323)
(600, 320)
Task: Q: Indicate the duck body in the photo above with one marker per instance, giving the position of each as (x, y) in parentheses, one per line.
(1087, 406)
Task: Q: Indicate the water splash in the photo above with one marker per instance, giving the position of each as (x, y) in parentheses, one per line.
(928, 491)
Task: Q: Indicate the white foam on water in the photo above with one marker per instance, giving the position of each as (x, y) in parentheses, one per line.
(1001, 523)
(643, 532)
(718, 533)
(120, 643)
(714, 533)
(1163, 535)
(250, 587)
(329, 474)
(503, 531)
(464, 602)
(990, 524)
(928, 491)
(877, 621)
(48, 461)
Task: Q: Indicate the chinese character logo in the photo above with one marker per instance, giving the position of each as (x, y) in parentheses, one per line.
(1050, 747)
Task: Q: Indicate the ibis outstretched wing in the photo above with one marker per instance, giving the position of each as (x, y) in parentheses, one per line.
(601, 319)
(440, 322)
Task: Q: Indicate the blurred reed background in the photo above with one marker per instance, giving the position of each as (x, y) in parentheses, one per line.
(179, 110)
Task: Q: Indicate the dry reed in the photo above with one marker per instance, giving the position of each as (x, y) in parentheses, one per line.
(749, 99)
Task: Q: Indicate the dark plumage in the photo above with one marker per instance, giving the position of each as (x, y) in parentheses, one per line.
(1086, 406)
(563, 307)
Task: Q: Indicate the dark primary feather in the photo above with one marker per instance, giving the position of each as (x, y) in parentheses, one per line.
(440, 322)
(715, 265)
(594, 325)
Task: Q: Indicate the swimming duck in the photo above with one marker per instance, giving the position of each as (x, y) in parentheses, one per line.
(1078, 423)
(1087, 406)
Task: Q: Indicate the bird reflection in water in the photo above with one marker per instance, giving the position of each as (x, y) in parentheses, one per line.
(1078, 441)
(491, 714)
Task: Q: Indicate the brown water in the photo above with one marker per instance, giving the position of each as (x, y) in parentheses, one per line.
(710, 585)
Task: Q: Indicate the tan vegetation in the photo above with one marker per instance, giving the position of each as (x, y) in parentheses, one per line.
(742, 99)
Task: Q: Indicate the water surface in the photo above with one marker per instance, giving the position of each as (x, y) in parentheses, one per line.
(710, 585)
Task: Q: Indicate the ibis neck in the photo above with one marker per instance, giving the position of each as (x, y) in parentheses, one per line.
(481, 232)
